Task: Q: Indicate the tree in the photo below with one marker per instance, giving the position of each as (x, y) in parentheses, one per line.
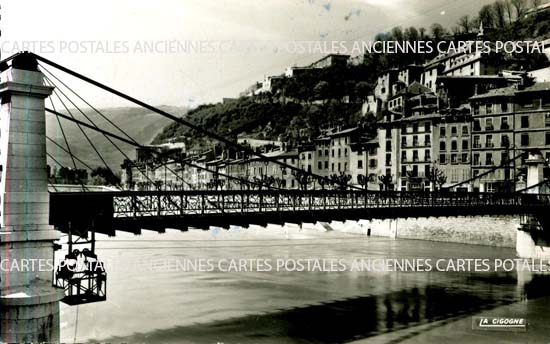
(363, 181)
(127, 166)
(302, 178)
(486, 16)
(108, 177)
(519, 7)
(362, 90)
(509, 8)
(499, 14)
(438, 32)
(465, 24)
(436, 177)
(386, 180)
(340, 181)
(321, 91)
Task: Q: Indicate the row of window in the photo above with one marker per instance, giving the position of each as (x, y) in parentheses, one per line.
(454, 145)
(454, 130)
(333, 166)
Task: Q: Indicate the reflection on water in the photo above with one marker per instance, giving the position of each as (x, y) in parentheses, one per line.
(284, 307)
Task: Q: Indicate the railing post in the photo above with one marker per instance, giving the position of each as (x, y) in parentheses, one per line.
(159, 205)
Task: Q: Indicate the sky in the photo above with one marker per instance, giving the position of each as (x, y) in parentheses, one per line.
(189, 52)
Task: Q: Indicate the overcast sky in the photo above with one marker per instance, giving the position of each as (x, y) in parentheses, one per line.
(190, 78)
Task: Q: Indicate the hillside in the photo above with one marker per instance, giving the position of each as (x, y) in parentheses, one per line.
(140, 124)
(262, 120)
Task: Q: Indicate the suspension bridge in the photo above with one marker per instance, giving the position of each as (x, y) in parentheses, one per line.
(32, 217)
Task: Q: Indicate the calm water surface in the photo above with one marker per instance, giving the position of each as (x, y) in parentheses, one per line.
(151, 305)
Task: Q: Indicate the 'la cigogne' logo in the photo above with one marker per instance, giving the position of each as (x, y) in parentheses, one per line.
(499, 324)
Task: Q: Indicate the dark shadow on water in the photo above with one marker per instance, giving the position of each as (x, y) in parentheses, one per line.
(354, 318)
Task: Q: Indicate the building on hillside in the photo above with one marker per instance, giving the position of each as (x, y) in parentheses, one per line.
(271, 84)
(331, 61)
(492, 138)
(410, 74)
(452, 149)
(462, 63)
(294, 71)
(532, 118)
(322, 156)
(384, 84)
(454, 91)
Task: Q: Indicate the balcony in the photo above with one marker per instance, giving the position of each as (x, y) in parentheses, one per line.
(476, 145)
(490, 145)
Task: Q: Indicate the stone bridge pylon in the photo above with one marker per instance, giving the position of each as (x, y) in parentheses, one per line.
(29, 304)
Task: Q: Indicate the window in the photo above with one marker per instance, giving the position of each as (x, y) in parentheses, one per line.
(388, 146)
(442, 159)
(415, 155)
(477, 143)
(505, 141)
(504, 107)
(360, 164)
(476, 109)
(403, 156)
(489, 141)
(309, 156)
(326, 165)
(454, 145)
(477, 125)
(464, 130)
(339, 152)
(415, 127)
(504, 123)
(345, 152)
(454, 159)
(332, 167)
(388, 159)
(442, 146)
(404, 171)
(345, 166)
(547, 138)
(489, 124)
(547, 119)
(372, 163)
(404, 141)
(477, 161)
(319, 165)
(326, 152)
(415, 141)
(525, 140)
(525, 121)
(454, 131)
(426, 140)
(388, 133)
(464, 144)
(403, 130)
(427, 127)
(503, 157)
(320, 153)
(333, 153)
(464, 158)
(339, 166)
(442, 131)
(489, 159)
(427, 155)
(489, 108)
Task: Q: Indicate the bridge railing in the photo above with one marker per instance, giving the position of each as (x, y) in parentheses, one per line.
(179, 203)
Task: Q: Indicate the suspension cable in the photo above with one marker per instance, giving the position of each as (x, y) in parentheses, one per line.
(115, 136)
(502, 165)
(181, 121)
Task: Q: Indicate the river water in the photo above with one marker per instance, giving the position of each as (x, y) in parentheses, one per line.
(151, 302)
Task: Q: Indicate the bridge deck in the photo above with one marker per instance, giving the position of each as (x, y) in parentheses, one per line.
(131, 211)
